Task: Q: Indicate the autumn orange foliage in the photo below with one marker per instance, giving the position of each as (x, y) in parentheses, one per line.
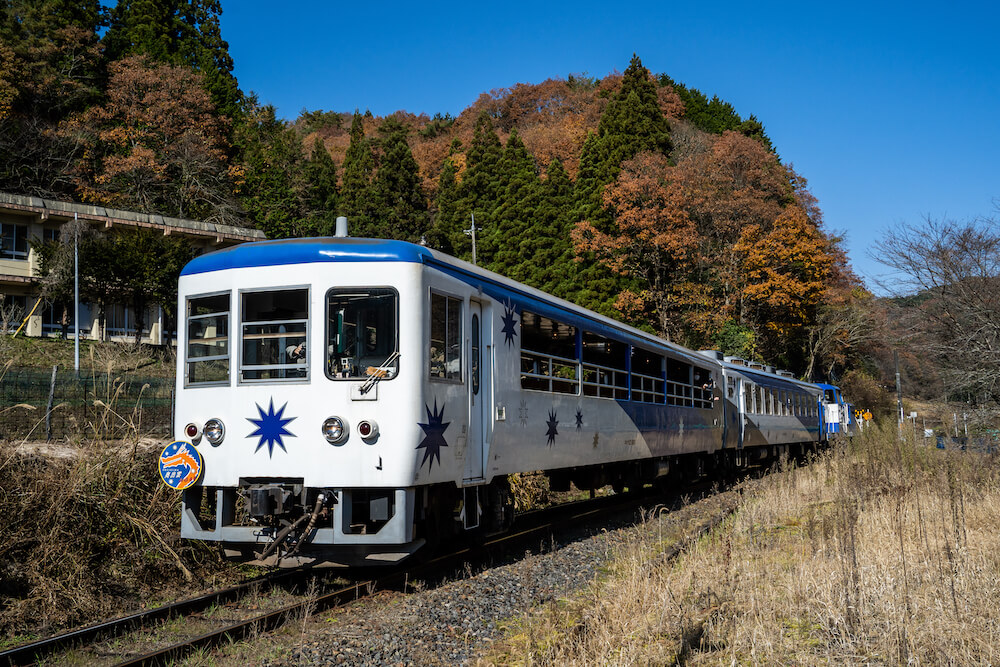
(785, 270)
(654, 239)
(157, 138)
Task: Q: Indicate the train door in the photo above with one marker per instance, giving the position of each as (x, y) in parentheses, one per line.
(741, 403)
(733, 436)
(479, 384)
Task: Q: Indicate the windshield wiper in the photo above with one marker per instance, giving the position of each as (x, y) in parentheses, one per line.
(377, 373)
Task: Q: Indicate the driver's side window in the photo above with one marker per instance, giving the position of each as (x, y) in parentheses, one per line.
(446, 338)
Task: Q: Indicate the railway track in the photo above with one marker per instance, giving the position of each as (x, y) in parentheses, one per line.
(128, 640)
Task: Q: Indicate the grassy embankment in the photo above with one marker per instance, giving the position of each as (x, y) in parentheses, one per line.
(95, 356)
(877, 552)
(89, 530)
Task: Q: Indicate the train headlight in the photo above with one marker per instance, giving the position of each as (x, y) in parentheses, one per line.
(368, 429)
(335, 430)
(215, 431)
(193, 432)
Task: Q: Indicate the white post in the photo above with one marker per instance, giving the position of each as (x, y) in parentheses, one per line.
(472, 232)
(76, 294)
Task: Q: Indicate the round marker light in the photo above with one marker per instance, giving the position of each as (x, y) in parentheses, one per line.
(193, 432)
(215, 431)
(368, 429)
(334, 430)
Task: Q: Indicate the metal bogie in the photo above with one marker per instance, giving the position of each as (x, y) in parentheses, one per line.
(367, 396)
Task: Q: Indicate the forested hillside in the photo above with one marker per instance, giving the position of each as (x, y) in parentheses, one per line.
(631, 194)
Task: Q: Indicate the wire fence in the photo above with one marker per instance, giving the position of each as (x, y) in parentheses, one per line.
(56, 404)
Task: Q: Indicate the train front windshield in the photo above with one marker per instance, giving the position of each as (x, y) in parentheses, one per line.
(362, 328)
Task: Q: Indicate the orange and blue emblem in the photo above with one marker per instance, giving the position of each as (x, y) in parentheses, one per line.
(180, 465)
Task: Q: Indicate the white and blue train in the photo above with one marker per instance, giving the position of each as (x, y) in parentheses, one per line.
(345, 401)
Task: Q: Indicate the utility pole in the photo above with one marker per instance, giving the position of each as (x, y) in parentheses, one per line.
(899, 392)
(471, 231)
(76, 294)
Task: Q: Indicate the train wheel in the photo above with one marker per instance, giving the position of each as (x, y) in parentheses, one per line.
(439, 520)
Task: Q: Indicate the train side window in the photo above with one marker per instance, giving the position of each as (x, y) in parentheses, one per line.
(605, 367)
(446, 338)
(749, 397)
(274, 327)
(648, 381)
(207, 340)
(704, 388)
(361, 333)
(731, 387)
(548, 355)
(679, 383)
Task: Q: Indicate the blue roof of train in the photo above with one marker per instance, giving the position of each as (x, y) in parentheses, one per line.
(304, 251)
(351, 249)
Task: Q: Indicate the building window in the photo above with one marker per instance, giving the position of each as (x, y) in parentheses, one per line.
(446, 338)
(13, 241)
(13, 310)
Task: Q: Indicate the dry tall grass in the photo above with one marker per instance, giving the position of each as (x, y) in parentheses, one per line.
(88, 529)
(878, 552)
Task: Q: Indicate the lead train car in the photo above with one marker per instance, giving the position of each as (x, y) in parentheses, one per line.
(352, 399)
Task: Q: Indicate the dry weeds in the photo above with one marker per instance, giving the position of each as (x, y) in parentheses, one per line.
(878, 552)
(88, 528)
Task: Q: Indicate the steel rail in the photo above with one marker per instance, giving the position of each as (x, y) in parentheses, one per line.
(528, 526)
(540, 523)
(34, 652)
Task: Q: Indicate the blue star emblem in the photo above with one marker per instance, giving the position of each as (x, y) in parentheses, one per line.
(509, 322)
(270, 428)
(433, 435)
(552, 432)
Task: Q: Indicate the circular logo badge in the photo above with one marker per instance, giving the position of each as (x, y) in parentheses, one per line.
(180, 465)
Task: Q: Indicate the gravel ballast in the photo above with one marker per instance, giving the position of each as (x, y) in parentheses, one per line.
(456, 621)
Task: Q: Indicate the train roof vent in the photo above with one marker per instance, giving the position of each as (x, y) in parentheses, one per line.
(736, 361)
(712, 354)
(786, 374)
(769, 369)
(756, 366)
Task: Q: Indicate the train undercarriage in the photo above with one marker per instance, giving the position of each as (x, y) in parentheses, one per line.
(281, 522)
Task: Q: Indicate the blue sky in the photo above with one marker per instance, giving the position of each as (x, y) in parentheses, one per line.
(888, 109)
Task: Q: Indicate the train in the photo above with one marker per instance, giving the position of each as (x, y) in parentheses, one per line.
(345, 401)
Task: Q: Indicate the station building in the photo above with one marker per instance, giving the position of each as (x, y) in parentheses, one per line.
(23, 219)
